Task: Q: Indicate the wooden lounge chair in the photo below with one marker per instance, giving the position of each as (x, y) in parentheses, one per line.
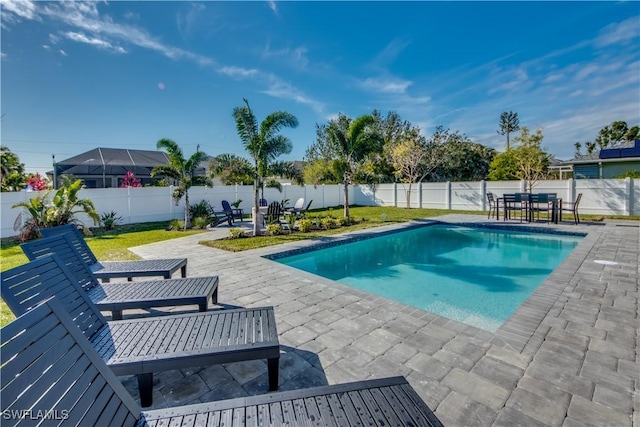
(46, 355)
(106, 270)
(152, 344)
(274, 212)
(116, 297)
(232, 213)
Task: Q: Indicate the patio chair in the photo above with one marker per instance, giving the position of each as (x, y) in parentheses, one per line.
(297, 206)
(116, 297)
(65, 378)
(542, 202)
(232, 213)
(493, 206)
(573, 207)
(151, 344)
(106, 270)
(274, 212)
(263, 202)
(517, 202)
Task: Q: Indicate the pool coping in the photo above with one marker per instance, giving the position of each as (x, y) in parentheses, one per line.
(520, 330)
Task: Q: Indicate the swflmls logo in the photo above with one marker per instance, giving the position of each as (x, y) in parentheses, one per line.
(28, 414)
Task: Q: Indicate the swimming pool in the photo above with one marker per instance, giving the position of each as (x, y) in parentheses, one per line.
(478, 276)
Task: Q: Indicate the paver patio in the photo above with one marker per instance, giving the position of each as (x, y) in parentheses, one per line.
(568, 357)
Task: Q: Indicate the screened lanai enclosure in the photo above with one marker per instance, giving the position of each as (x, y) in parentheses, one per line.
(107, 167)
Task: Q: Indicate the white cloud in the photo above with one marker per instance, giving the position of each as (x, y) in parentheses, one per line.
(63, 53)
(384, 84)
(238, 72)
(390, 52)
(297, 57)
(15, 9)
(281, 89)
(273, 6)
(54, 38)
(619, 32)
(100, 43)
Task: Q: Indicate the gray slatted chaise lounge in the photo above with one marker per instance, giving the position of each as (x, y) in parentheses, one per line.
(143, 346)
(106, 270)
(116, 297)
(44, 354)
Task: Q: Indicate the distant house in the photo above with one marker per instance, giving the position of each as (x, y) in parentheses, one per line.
(606, 163)
(106, 167)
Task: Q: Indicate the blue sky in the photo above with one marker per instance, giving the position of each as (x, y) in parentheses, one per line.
(75, 76)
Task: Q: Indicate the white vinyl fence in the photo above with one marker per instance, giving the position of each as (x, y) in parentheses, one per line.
(144, 204)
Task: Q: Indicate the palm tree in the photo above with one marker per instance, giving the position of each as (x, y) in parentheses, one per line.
(352, 142)
(231, 169)
(509, 122)
(182, 172)
(264, 145)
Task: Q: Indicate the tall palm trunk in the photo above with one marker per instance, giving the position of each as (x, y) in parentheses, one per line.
(187, 217)
(256, 208)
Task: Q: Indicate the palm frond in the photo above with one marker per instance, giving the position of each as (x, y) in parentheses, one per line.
(274, 122)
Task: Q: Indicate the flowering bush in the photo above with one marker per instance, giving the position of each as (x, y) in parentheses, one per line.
(130, 180)
(37, 182)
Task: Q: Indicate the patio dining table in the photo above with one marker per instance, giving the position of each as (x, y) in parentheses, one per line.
(526, 202)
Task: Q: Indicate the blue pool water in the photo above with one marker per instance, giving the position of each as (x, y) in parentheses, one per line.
(474, 275)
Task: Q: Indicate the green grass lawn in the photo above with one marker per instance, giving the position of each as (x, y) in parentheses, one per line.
(374, 217)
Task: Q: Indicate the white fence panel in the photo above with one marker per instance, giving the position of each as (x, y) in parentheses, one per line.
(434, 195)
(466, 196)
(600, 197)
(384, 194)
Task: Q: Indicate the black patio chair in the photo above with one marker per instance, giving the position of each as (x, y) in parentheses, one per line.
(233, 213)
(573, 208)
(493, 206)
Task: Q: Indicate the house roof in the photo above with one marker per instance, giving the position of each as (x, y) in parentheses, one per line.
(112, 161)
(623, 152)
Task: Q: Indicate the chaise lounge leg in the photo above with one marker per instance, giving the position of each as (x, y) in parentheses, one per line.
(273, 366)
(145, 387)
(214, 297)
(116, 315)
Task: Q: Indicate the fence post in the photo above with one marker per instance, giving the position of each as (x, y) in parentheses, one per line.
(129, 203)
(447, 197)
(523, 186)
(571, 190)
(483, 193)
(395, 194)
(420, 195)
(628, 201)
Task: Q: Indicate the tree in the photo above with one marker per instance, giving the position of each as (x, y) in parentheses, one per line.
(12, 175)
(182, 172)
(509, 123)
(503, 167)
(346, 145)
(409, 160)
(231, 169)
(61, 209)
(610, 136)
(264, 144)
(457, 158)
(531, 159)
(616, 133)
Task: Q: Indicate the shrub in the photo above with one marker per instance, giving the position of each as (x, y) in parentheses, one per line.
(329, 223)
(291, 221)
(176, 224)
(110, 219)
(344, 221)
(60, 209)
(200, 222)
(304, 225)
(274, 229)
(236, 233)
(201, 209)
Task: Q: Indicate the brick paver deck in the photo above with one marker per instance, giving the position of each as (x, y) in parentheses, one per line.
(567, 357)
